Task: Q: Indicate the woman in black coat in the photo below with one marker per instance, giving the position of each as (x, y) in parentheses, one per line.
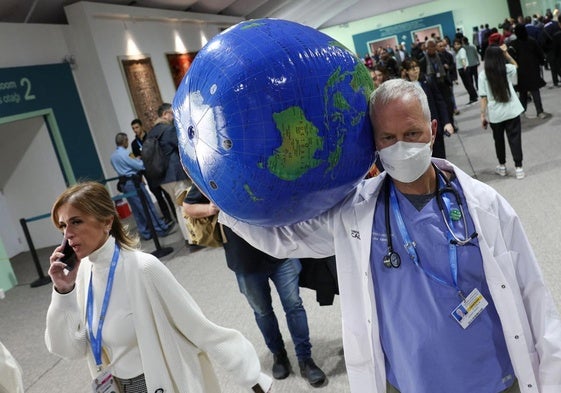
(437, 106)
(529, 56)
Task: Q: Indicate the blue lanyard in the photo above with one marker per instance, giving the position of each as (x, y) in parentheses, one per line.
(95, 340)
(412, 252)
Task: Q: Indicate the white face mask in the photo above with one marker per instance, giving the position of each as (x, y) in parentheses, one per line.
(406, 161)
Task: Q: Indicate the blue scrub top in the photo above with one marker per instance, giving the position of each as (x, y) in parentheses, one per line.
(426, 350)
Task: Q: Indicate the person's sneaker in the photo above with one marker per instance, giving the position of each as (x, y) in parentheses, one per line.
(310, 371)
(281, 365)
(519, 173)
(170, 225)
(500, 170)
(193, 247)
(544, 115)
(167, 232)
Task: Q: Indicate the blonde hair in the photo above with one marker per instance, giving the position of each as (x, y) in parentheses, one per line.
(93, 199)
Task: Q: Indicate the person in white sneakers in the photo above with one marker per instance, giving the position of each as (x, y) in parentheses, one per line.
(500, 106)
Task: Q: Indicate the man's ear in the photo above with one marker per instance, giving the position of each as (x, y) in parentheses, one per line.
(433, 129)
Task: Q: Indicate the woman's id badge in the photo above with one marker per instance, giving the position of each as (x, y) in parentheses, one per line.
(105, 383)
(469, 308)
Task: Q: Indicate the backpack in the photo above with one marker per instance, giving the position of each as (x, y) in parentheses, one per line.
(155, 161)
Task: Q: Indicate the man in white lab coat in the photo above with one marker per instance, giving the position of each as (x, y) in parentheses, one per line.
(414, 245)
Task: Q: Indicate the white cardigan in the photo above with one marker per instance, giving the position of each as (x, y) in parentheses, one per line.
(530, 321)
(10, 372)
(174, 336)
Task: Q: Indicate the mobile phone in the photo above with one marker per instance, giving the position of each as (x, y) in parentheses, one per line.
(69, 257)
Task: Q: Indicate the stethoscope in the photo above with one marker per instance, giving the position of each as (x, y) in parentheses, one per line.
(392, 258)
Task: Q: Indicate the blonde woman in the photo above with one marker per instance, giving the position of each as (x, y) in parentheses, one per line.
(125, 312)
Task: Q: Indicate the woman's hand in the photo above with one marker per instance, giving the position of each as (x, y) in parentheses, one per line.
(199, 210)
(484, 122)
(63, 280)
(213, 209)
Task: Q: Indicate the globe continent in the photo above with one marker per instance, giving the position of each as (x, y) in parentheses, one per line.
(272, 121)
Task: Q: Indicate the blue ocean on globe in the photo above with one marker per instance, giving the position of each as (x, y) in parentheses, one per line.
(272, 120)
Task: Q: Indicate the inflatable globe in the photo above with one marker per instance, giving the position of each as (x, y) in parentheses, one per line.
(272, 121)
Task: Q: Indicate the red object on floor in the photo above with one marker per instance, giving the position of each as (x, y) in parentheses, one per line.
(123, 209)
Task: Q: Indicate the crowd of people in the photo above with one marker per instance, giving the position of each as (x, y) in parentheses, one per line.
(528, 47)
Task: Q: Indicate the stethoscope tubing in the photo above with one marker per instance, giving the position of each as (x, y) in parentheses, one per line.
(392, 258)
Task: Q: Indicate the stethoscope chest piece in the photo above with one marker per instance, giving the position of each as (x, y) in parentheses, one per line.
(392, 259)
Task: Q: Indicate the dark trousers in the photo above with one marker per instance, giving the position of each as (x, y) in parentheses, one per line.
(513, 130)
(474, 76)
(163, 200)
(536, 96)
(468, 83)
(554, 65)
(438, 148)
(447, 94)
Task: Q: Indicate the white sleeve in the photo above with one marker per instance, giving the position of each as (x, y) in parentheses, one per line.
(10, 372)
(307, 239)
(227, 347)
(65, 334)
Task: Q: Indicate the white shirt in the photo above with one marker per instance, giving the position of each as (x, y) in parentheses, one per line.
(501, 111)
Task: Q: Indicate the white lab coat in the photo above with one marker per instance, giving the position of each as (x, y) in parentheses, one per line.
(530, 321)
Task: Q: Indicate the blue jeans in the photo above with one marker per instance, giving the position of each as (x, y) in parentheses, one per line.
(138, 212)
(256, 288)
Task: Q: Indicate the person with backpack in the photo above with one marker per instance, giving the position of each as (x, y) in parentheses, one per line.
(162, 197)
(160, 154)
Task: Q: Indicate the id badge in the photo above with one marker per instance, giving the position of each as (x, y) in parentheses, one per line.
(469, 309)
(105, 383)
(438, 74)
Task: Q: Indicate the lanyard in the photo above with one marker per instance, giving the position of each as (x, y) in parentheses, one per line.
(410, 247)
(96, 339)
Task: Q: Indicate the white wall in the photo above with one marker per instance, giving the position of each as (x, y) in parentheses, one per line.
(466, 13)
(31, 44)
(100, 34)
(31, 191)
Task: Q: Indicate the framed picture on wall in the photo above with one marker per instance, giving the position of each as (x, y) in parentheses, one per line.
(425, 33)
(373, 46)
(143, 88)
(179, 63)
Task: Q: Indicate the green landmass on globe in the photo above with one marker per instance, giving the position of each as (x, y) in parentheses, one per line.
(300, 141)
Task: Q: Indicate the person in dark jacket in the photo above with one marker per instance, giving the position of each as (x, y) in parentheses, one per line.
(546, 42)
(529, 56)
(438, 109)
(175, 181)
(254, 270)
(438, 66)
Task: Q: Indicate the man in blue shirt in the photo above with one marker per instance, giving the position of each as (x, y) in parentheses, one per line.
(127, 168)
